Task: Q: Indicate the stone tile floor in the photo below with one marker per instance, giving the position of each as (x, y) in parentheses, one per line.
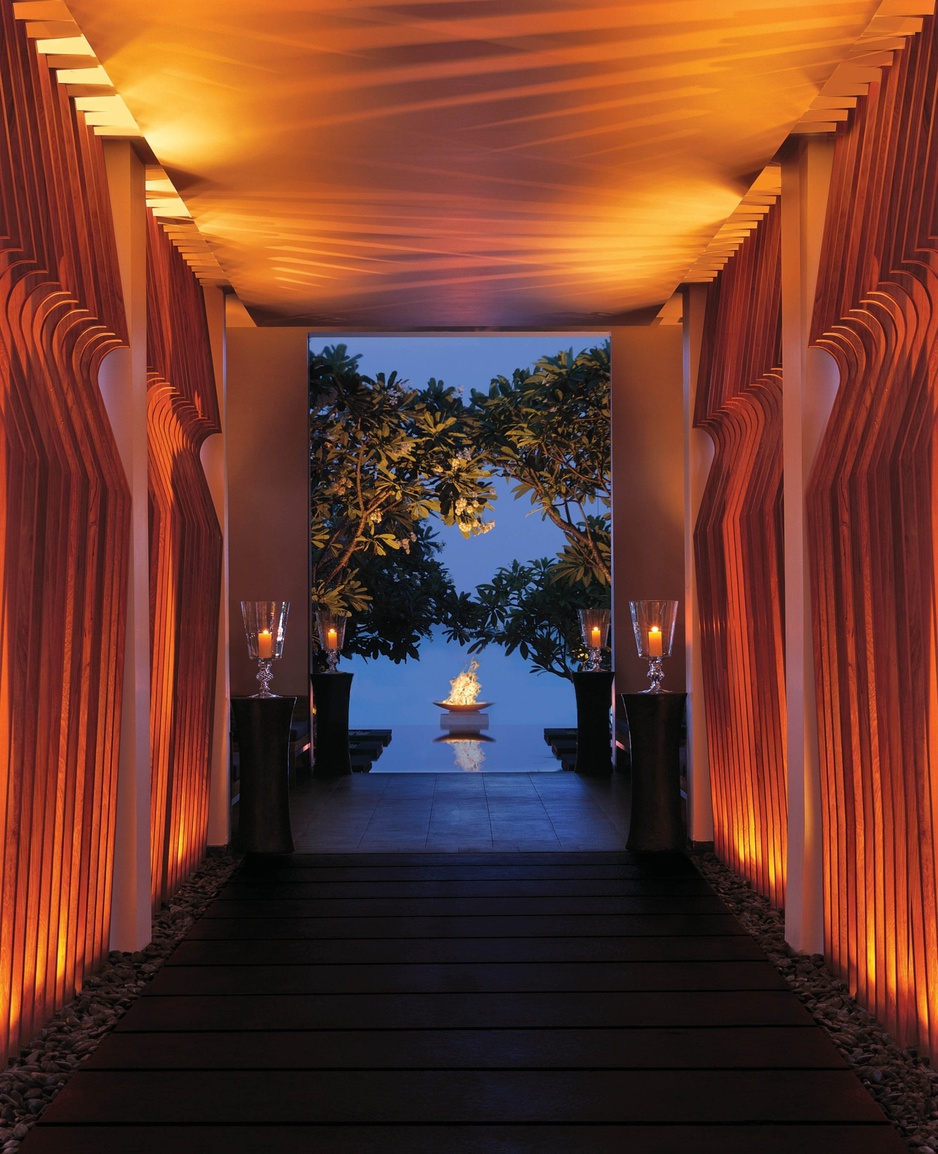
(460, 813)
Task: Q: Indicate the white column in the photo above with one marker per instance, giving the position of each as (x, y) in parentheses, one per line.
(123, 382)
(272, 364)
(647, 489)
(809, 385)
(698, 457)
(214, 462)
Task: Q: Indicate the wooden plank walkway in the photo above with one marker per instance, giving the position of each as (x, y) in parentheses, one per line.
(475, 1004)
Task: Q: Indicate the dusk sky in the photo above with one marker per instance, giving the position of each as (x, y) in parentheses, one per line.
(383, 693)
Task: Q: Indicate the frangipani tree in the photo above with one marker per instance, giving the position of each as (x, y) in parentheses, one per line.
(413, 594)
(524, 609)
(384, 458)
(548, 431)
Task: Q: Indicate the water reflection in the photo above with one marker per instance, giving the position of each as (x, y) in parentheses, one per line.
(468, 750)
(464, 732)
(509, 749)
(470, 755)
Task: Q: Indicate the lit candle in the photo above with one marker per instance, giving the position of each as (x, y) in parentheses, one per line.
(265, 645)
(594, 637)
(332, 639)
(654, 641)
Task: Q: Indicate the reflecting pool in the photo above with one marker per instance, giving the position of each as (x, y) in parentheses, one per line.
(494, 749)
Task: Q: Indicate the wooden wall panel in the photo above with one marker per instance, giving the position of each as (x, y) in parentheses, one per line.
(64, 521)
(872, 522)
(738, 545)
(185, 564)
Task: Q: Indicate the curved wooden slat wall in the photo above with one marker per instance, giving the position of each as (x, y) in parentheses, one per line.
(738, 546)
(873, 507)
(185, 564)
(65, 522)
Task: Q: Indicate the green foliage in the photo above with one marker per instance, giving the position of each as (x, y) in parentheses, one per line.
(524, 608)
(413, 593)
(384, 457)
(548, 430)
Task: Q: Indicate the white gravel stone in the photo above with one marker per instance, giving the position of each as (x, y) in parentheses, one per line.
(900, 1080)
(34, 1077)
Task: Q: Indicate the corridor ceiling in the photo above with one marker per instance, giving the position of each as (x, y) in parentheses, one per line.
(370, 165)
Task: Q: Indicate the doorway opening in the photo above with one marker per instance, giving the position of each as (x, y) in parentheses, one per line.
(402, 697)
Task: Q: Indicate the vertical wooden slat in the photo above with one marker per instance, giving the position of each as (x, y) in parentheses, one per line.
(738, 545)
(64, 518)
(872, 509)
(185, 564)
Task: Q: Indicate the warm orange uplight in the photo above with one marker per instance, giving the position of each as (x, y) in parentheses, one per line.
(749, 854)
(65, 46)
(64, 521)
(871, 503)
(182, 410)
(738, 546)
(494, 103)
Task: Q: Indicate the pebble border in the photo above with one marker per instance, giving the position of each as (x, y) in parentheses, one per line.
(901, 1080)
(33, 1078)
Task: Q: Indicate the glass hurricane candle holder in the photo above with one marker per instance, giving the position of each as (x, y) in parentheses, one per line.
(594, 629)
(330, 631)
(653, 624)
(264, 625)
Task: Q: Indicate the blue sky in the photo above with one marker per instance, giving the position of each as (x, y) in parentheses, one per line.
(383, 693)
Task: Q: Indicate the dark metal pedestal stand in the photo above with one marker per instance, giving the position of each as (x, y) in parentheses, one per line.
(263, 728)
(331, 693)
(593, 735)
(655, 721)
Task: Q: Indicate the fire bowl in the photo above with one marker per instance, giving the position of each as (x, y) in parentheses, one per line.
(469, 707)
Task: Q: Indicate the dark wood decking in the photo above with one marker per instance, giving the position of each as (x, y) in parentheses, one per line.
(480, 1004)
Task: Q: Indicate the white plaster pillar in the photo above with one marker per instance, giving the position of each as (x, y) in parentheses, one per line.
(809, 385)
(214, 462)
(698, 457)
(647, 490)
(267, 383)
(123, 383)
